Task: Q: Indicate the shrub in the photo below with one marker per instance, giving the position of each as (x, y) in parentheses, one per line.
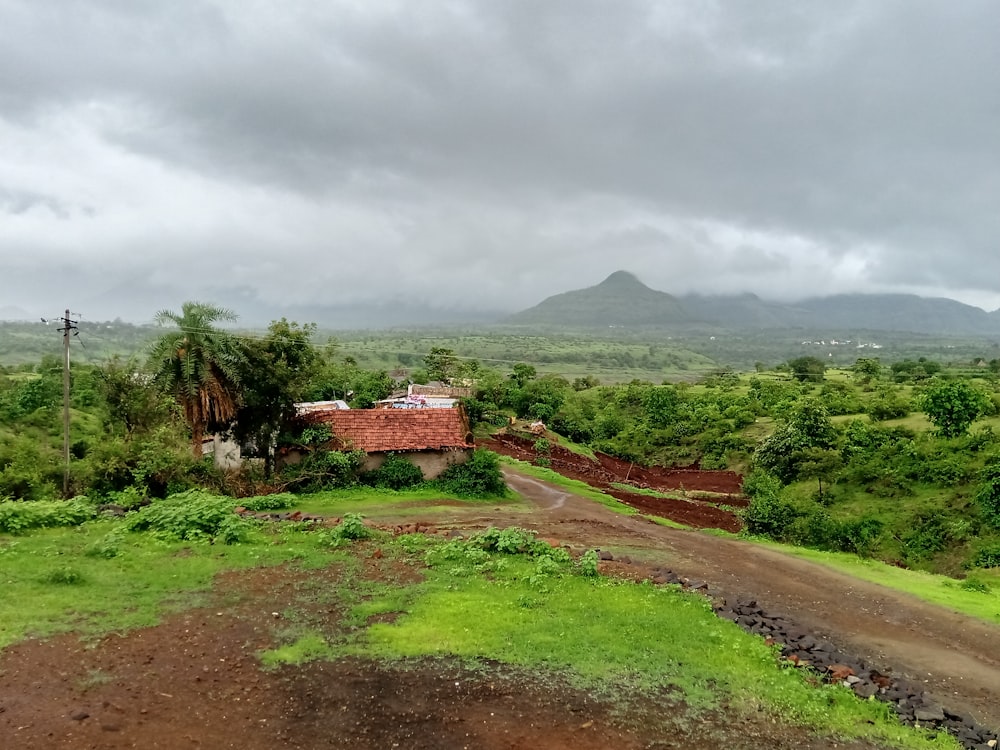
(486, 551)
(63, 576)
(108, 546)
(479, 477)
(317, 434)
(234, 529)
(510, 541)
(860, 535)
(587, 565)
(976, 584)
(189, 516)
(323, 470)
(767, 513)
(395, 473)
(351, 528)
(278, 501)
(19, 516)
(928, 535)
(988, 494)
(952, 406)
(475, 410)
(987, 557)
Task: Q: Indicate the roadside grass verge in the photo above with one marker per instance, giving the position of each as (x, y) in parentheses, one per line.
(623, 641)
(671, 494)
(578, 488)
(978, 596)
(584, 490)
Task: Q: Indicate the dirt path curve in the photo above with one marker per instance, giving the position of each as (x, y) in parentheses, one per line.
(955, 656)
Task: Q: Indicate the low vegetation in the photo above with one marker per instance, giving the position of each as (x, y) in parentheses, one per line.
(898, 462)
(536, 607)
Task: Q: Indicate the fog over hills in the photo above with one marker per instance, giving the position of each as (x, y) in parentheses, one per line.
(623, 300)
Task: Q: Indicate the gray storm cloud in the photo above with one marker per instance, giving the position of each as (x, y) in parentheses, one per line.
(483, 155)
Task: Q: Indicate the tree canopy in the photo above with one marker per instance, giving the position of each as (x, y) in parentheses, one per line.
(952, 406)
(200, 366)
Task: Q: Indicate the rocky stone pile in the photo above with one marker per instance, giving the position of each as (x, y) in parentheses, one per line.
(296, 516)
(907, 698)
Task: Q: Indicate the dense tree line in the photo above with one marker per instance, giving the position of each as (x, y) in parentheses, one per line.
(831, 460)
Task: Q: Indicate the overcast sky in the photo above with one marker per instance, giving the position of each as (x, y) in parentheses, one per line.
(484, 155)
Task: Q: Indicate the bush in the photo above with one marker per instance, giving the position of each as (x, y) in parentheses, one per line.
(19, 516)
(988, 494)
(479, 477)
(987, 557)
(108, 546)
(351, 528)
(323, 470)
(860, 536)
(63, 576)
(510, 541)
(818, 529)
(767, 513)
(395, 473)
(587, 565)
(278, 501)
(190, 516)
(928, 535)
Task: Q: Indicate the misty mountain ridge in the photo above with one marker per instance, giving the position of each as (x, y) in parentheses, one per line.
(620, 300)
(623, 300)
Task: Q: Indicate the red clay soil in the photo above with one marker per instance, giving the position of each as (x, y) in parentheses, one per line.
(195, 681)
(693, 511)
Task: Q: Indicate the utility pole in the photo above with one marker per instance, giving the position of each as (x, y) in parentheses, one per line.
(68, 326)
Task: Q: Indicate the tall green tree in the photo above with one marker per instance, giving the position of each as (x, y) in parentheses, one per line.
(274, 374)
(801, 442)
(952, 406)
(200, 366)
(866, 369)
(132, 402)
(441, 364)
(807, 369)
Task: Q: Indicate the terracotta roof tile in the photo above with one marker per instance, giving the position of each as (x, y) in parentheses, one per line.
(381, 430)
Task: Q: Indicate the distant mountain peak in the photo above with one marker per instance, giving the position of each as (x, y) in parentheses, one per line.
(622, 279)
(621, 299)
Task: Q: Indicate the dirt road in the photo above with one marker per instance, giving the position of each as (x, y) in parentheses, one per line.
(955, 656)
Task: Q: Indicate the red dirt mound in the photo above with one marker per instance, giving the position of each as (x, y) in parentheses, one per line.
(606, 471)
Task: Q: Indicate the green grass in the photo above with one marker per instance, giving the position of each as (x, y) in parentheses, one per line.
(671, 495)
(376, 503)
(571, 355)
(577, 448)
(622, 640)
(309, 646)
(51, 585)
(936, 589)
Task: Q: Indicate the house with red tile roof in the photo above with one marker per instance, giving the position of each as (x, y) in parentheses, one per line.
(432, 439)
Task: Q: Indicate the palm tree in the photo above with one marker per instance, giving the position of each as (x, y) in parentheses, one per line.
(198, 365)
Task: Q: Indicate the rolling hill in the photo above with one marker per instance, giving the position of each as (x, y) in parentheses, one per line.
(623, 300)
